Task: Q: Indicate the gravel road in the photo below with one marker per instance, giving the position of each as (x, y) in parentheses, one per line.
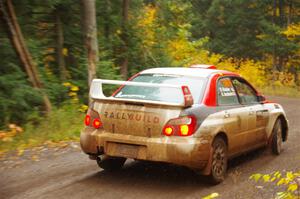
(70, 174)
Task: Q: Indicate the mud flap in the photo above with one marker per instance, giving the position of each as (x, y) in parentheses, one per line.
(207, 169)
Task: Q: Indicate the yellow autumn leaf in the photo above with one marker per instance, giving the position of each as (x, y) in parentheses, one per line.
(75, 99)
(277, 174)
(65, 51)
(273, 179)
(12, 126)
(2, 153)
(266, 178)
(71, 94)
(74, 88)
(292, 31)
(83, 108)
(35, 158)
(67, 84)
(2, 135)
(211, 196)
(20, 152)
(292, 187)
(281, 181)
(256, 176)
(7, 139)
(49, 58)
(50, 50)
(289, 175)
(118, 31)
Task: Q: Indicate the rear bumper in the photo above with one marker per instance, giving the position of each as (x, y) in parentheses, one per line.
(186, 151)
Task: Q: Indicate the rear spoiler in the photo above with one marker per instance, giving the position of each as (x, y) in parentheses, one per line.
(96, 92)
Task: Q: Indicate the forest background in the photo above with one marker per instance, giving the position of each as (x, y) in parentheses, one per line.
(51, 49)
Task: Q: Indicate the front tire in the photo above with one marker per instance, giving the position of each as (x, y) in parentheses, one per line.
(276, 140)
(111, 163)
(219, 161)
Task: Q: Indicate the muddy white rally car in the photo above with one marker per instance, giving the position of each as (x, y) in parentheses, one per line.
(198, 117)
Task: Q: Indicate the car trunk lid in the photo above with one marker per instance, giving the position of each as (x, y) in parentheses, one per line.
(138, 119)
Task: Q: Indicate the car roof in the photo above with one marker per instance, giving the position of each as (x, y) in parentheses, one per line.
(193, 72)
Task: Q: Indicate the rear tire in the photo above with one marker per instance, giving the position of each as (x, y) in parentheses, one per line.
(219, 161)
(111, 163)
(276, 140)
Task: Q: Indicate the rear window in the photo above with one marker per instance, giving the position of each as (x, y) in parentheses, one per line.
(195, 84)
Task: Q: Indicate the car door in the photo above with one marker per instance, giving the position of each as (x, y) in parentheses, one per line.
(235, 118)
(257, 113)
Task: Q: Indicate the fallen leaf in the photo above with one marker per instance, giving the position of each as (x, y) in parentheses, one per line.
(20, 152)
(35, 158)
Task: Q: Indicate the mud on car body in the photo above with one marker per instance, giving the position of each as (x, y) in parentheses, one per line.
(198, 117)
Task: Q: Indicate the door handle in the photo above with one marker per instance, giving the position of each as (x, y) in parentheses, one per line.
(227, 115)
(251, 111)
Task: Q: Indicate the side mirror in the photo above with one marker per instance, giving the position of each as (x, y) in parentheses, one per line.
(261, 98)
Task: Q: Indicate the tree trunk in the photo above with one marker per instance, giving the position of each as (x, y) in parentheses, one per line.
(17, 40)
(274, 48)
(106, 15)
(281, 13)
(282, 23)
(60, 46)
(290, 12)
(90, 36)
(124, 36)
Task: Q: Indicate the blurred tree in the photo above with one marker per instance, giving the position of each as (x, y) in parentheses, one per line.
(17, 40)
(90, 36)
(124, 36)
(60, 50)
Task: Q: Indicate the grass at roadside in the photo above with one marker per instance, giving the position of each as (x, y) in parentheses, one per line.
(283, 91)
(63, 124)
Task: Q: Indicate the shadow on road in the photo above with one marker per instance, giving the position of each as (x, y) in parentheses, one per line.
(159, 176)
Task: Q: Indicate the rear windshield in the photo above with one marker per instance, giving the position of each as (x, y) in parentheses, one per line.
(195, 84)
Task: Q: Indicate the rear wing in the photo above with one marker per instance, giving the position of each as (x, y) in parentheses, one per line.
(96, 92)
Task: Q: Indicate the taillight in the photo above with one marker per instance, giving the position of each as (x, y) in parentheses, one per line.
(92, 119)
(97, 123)
(87, 120)
(168, 130)
(182, 126)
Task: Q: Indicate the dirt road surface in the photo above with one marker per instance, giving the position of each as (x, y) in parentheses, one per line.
(72, 175)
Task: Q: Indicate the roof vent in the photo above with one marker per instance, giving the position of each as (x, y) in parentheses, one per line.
(203, 66)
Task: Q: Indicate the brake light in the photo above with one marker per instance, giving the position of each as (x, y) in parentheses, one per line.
(168, 130)
(203, 66)
(87, 120)
(182, 126)
(97, 123)
(188, 98)
(92, 119)
(184, 130)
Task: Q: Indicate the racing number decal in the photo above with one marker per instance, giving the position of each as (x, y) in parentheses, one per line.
(226, 88)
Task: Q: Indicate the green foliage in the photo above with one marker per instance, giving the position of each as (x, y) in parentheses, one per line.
(233, 26)
(16, 96)
(64, 123)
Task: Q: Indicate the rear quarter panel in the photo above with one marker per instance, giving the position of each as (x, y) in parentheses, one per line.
(275, 110)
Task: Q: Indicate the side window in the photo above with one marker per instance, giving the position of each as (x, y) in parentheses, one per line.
(226, 92)
(246, 93)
